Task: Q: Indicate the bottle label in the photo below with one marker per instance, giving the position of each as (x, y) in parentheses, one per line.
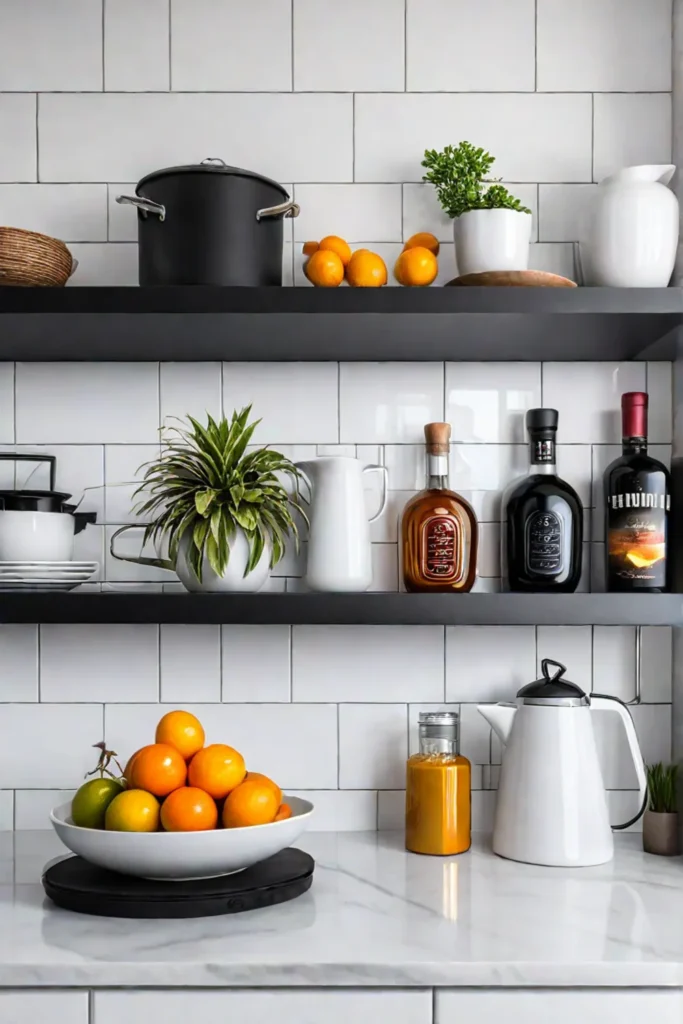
(543, 544)
(542, 452)
(636, 542)
(442, 547)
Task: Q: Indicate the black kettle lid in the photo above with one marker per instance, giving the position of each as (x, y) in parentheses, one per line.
(551, 685)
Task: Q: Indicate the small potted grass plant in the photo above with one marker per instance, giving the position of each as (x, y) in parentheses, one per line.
(660, 821)
(491, 228)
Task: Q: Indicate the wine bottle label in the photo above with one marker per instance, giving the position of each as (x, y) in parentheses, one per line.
(442, 549)
(543, 547)
(636, 537)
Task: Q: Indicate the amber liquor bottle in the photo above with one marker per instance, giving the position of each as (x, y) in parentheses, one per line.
(439, 528)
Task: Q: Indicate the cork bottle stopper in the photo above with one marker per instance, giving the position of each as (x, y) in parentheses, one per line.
(437, 436)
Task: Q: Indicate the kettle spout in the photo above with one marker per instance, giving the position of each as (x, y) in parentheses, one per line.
(500, 717)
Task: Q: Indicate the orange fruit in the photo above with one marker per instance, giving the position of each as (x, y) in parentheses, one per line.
(366, 270)
(416, 267)
(333, 243)
(132, 811)
(128, 770)
(189, 809)
(251, 803)
(258, 777)
(181, 730)
(217, 769)
(284, 811)
(309, 248)
(424, 239)
(159, 769)
(325, 269)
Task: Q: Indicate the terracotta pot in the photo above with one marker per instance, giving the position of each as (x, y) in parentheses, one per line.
(660, 833)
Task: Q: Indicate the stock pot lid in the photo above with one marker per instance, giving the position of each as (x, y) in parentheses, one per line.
(551, 686)
(210, 166)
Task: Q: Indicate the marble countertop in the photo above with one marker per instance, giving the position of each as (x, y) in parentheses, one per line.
(375, 916)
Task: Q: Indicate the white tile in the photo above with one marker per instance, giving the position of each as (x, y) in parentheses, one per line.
(483, 810)
(486, 585)
(603, 455)
(660, 412)
(481, 472)
(124, 473)
(387, 529)
(554, 258)
(99, 663)
(351, 211)
(488, 663)
(18, 155)
(33, 806)
(422, 212)
(136, 57)
(189, 389)
(218, 47)
(115, 403)
(391, 810)
(130, 544)
(630, 129)
(47, 47)
(610, 46)
(488, 401)
(373, 746)
(389, 401)
(190, 664)
(561, 209)
(74, 213)
(367, 663)
(572, 647)
(384, 568)
(597, 417)
(6, 810)
(488, 556)
(49, 1007)
(256, 664)
(60, 748)
(6, 404)
(19, 659)
(297, 402)
(623, 805)
(123, 219)
(338, 810)
(475, 735)
(574, 466)
(308, 757)
(79, 466)
(107, 137)
(656, 664)
(406, 465)
(653, 726)
(108, 265)
(533, 136)
(457, 46)
(614, 661)
(349, 47)
(491, 776)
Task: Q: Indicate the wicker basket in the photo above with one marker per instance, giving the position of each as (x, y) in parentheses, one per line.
(30, 259)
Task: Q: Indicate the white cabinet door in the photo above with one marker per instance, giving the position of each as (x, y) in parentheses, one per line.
(267, 1006)
(567, 1006)
(43, 1007)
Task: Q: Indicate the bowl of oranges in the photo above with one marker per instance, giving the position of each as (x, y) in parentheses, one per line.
(179, 810)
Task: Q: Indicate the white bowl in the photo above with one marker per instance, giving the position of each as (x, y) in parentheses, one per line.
(182, 856)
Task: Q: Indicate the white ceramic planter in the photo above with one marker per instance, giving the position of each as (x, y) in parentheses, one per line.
(629, 232)
(491, 240)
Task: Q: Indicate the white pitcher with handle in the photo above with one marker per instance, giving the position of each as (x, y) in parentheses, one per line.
(339, 550)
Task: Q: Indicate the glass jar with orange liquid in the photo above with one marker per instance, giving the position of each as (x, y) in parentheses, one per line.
(438, 789)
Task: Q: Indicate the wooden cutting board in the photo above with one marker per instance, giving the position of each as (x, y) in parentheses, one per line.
(513, 279)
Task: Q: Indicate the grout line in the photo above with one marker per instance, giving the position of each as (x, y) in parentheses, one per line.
(91, 1006)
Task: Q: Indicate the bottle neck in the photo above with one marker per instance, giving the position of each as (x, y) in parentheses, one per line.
(437, 472)
(634, 445)
(542, 456)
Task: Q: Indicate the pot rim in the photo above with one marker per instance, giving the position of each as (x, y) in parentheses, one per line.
(239, 172)
(496, 209)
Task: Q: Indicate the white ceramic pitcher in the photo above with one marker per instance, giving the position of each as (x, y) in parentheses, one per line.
(339, 552)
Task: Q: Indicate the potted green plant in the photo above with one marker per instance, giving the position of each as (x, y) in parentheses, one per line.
(660, 821)
(491, 228)
(222, 512)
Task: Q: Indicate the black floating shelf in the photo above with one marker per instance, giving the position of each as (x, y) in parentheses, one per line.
(307, 324)
(374, 609)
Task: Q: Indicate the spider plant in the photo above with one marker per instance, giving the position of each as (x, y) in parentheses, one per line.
(661, 786)
(206, 485)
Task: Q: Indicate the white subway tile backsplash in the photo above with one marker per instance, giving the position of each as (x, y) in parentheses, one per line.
(136, 51)
(363, 663)
(80, 664)
(488, 663)
(596, 418)
(74, 213)
(189, 664)
(339, 810)
(6, 404)
(297, 402)
(106, 265)
(475, 736)
(653, 727)
(256, 664)
(189, 389)
(107, 137)
(46, 46)
(656, 664)
(79, 472)
(660, 409)
(614, 661)
(105, 403)
(129, 544)
(352, 211)
(613, 45)
(32, 806)
(389, 401)
(572, 646)
(483, 810)
(391, 810)
(19, 152)
(481, 473)
(554, 258)
(373, 746)
(457, 46)
(487, 402)
(348, 48)
(124, 472)
(534, 136)
(384, 568)
(122, 218)
(630, 129)
(561, 209)
(6, 810)
(48, 744)
(422, 212)
(19, 660)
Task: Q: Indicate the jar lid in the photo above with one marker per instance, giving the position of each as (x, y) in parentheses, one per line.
(438, 718)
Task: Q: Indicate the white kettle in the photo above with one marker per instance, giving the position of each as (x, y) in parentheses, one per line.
(552, 807)
(339, 551)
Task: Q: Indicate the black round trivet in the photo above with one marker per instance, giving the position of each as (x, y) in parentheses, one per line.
(77, 885)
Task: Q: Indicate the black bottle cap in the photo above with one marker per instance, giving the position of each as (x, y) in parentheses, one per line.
(541, 420)
(551, 684)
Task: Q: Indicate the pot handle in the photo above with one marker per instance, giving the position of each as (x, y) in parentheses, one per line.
(82, 519)
(144, 205)
(385, 483)
(158, 563)
(214, 160)
(603, 702)
(51, 459)
(288, 209)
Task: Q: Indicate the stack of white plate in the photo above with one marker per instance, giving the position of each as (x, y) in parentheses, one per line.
(45, 575)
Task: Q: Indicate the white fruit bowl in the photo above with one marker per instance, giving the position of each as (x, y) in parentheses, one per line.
(182, 856)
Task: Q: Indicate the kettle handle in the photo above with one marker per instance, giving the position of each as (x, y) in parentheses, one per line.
(603, 702)
(385, 484)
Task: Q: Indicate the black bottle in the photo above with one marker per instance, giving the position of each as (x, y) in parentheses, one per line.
(542, 519)
(637, 506)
